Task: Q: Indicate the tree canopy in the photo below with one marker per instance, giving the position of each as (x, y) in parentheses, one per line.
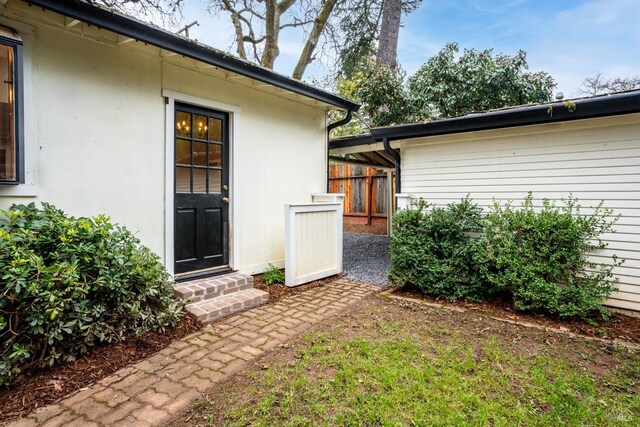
(447, 85)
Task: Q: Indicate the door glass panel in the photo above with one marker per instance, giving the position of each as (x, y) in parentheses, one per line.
(200, 153)
(215, 155)
(183, 180)
(199, 180)
(183, 152)
(215, 129)
(183, 124)
(200, 127)
(215, 181)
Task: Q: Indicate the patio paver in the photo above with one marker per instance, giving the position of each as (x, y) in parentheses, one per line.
(153, 391)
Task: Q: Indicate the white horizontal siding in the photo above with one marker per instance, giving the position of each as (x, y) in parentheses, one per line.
(594, 160)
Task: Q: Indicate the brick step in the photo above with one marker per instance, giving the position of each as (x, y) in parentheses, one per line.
(213, 287)
(213, 309)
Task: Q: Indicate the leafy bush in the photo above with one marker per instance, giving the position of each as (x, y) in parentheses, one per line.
(273, 275)
(432, 246)
(68, 283)
(540, 257)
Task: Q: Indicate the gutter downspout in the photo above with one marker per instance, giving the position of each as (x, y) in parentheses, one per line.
(396, 156)
(330, 127)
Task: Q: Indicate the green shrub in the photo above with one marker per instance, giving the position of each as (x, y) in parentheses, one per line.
(273, 275)
(432, 248)
(69, 283)
(540, 256)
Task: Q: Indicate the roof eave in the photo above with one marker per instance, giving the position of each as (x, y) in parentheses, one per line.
(128, 27)
(611, 105)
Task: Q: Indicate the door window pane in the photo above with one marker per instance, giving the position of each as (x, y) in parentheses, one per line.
(183, 152)
(215, 155)
(199, 180)
(200, 153)
(183, 180)
(183, 124)
(215, 129)
(7, 134)
(215, 181)
(200, 127)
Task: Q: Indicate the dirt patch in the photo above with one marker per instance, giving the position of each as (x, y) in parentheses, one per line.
(378, 319)
(278, 291)
(365, 229)
(39, 387)
(619, 326)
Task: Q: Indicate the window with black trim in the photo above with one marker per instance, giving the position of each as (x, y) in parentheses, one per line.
(11, 145)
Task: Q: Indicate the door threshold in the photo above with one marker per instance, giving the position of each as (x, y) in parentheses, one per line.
(202, 274)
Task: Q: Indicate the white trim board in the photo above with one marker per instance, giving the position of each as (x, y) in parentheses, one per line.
(235, 113)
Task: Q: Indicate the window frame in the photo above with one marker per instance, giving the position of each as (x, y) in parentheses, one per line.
(15, 43)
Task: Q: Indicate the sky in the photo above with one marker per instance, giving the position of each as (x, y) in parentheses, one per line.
(569, 39)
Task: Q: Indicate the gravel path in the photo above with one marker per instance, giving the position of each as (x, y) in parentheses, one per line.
(366, 258)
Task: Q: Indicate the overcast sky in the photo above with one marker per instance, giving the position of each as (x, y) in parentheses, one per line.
(569, 39)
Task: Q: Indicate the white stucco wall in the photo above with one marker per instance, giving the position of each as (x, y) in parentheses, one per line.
(95, 142)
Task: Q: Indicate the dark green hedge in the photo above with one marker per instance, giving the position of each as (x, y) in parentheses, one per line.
(537, 257)
(69, 283)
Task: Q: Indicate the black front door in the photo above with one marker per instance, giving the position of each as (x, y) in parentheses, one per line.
(201, 189)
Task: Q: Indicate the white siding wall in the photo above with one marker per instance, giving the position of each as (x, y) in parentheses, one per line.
(95, 119)
(596, 159)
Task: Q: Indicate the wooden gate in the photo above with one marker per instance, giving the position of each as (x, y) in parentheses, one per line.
(366, 193)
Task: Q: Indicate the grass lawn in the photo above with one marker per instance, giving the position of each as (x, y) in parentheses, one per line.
(395, 363)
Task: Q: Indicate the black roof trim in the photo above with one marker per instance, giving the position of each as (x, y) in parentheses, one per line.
(585, 108)
(138, 30)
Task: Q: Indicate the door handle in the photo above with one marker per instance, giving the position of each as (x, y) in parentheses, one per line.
(225, 200)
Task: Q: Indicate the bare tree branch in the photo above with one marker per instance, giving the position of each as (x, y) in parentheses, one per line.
(306, 57)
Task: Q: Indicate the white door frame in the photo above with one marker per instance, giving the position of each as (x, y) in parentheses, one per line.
(234, 128)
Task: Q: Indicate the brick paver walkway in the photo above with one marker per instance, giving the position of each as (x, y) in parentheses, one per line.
(155, 390)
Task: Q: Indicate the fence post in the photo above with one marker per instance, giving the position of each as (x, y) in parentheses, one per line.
(390, 201)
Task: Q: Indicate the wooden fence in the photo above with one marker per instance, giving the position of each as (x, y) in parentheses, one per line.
(366, 193)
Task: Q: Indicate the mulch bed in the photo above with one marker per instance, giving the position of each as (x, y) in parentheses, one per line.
(279, 291)
(39, 387)
(365, 229)
(620, 326)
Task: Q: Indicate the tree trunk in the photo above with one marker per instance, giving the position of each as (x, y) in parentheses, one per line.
(272, 30)
(312, 41)
(389, 29)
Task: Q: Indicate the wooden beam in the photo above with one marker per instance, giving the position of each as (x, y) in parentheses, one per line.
(384, 159)
(125, 40)
(70, 23)
(167, 53)
(202, 66)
